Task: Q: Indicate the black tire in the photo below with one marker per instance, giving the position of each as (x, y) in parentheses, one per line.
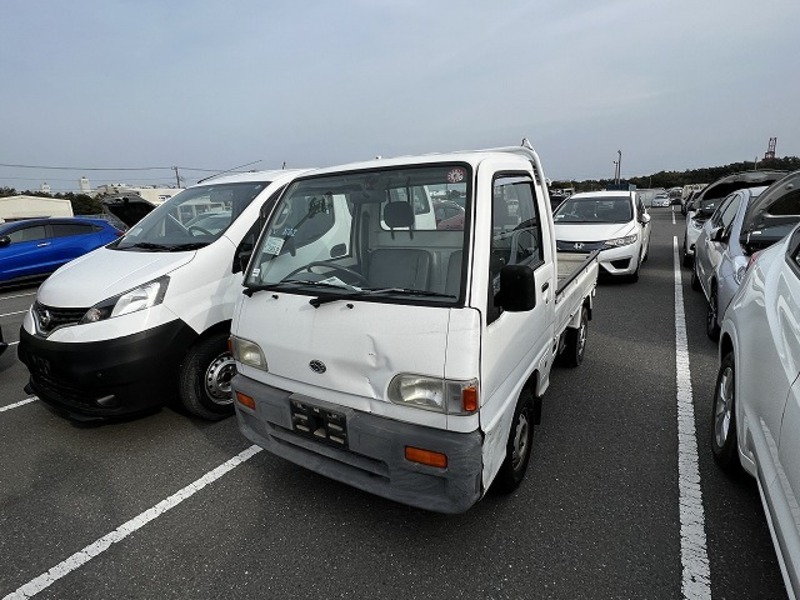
(695, 280)
(724, 442)
(205, 378)
(634, 277)
(712, 327)
(687, 258)
(519, 445)
(575, 342)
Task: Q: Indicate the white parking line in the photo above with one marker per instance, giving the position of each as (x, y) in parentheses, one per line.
(673, 215)
(696, 582)
(18, 404)
(18, 296)
(19, 312)
(83, 556)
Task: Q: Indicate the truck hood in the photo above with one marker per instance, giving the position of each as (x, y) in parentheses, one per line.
(593, 232)
(104, 273)
(361, 344)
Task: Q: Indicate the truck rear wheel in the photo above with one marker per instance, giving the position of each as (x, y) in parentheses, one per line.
(575, 342)
(519, 446)
(205, 378)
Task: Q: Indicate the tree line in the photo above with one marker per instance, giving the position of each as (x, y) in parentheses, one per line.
(82, 204)
(670, 179)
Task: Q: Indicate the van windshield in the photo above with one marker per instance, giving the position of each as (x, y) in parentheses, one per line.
(191, 219)
(378, 234)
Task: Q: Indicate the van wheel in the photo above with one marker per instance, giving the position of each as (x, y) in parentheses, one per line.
(687, 258)
(519, 446)
(723, 418)
(205, 378)
(575, 342)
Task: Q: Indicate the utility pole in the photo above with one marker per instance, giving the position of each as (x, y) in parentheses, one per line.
(619, 166)
(177, 177)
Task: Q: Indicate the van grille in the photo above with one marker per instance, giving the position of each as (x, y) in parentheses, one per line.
(49, 318)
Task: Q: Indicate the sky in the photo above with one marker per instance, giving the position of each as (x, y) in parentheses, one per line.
(212, 85)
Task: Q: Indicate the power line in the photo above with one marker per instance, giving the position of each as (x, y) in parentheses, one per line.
(63, 168)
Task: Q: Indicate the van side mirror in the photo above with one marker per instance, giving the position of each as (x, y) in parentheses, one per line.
(5, 241)
(517, 288)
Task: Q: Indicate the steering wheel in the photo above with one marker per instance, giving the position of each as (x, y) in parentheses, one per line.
(202, 230)
(319, 263)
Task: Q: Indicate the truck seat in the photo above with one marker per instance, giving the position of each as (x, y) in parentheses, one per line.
(399, 267)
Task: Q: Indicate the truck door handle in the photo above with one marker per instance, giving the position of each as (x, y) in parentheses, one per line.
(546, 286)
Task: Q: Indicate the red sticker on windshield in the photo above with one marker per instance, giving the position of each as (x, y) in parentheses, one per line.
(456, 175)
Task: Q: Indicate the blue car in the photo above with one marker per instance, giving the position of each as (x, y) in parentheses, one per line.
(32, 249)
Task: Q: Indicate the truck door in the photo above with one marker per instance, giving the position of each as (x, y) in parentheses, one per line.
(513, 341)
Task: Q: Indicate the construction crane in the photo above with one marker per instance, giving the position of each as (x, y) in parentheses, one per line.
(770, 153)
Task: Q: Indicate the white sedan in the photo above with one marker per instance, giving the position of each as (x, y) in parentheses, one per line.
(756, 416)
(616, 223)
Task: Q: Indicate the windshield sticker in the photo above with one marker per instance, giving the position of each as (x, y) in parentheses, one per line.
(273, 245)
(456, 175)
(256, 272)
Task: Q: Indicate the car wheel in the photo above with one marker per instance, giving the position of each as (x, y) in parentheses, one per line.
(575, 342)
(695, 279)
(205, 378)
(723, 418)
(712, 327)
(646, 252)
(634, 277)
(519, 446)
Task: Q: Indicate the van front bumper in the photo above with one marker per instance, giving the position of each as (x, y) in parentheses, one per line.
(109, 378)
(373, 456)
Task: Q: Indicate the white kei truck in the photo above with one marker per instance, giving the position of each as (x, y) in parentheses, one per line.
(146, 319)
(404, 359)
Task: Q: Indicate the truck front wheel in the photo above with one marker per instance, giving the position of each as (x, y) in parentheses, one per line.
(519, 446)
(205, 378)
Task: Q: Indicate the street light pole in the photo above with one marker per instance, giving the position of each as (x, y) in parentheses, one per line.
(619, 166)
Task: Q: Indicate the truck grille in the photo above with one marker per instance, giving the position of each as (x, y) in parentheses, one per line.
(49, 318)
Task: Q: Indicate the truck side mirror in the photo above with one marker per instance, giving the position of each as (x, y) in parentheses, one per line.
(517, 288)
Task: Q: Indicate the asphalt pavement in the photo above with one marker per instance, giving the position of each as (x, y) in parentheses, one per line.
(142, 509)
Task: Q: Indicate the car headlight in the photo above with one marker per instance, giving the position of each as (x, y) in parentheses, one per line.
(623, 241)
(146, 295)
(431, 393)
(248, 353)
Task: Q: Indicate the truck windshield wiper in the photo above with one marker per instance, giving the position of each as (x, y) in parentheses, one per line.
(249, 290)
(316, 302)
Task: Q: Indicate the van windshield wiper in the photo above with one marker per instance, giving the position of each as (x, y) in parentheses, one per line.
(166, 247)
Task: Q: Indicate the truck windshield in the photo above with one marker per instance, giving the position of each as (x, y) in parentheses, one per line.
(376, 235)
(191, 219)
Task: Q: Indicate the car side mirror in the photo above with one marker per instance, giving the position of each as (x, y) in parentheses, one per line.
(5, 241)
(644, 218)
(517, 288)
(718, 234)
(242, 258)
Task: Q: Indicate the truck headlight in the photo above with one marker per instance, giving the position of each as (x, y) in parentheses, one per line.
(431, 393)
(146, 295)
(623, 241)
(248, 353)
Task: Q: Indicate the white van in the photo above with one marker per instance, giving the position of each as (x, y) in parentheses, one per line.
(127, 327)
(404, 358)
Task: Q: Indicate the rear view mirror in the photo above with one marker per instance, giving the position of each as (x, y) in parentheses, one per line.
(517, 288)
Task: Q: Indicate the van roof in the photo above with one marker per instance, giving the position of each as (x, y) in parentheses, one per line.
(271, 176)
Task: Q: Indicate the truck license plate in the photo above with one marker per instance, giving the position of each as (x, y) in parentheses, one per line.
(318, 423)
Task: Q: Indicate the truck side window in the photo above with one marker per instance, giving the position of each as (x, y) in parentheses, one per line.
(516, 233)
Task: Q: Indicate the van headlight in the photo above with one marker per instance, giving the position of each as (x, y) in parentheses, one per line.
(146, 295)
(248, 353)
(622, 241)
(432, 393)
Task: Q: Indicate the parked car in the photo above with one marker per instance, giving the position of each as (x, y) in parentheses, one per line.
(449, 214)
(133, 325)
(617, 223)
(755, 422)
(720, 261)
(33, 248)
(660, 200)
(706, 202)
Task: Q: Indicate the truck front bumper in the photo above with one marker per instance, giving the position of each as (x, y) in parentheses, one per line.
(373, 456)
(109, 378)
